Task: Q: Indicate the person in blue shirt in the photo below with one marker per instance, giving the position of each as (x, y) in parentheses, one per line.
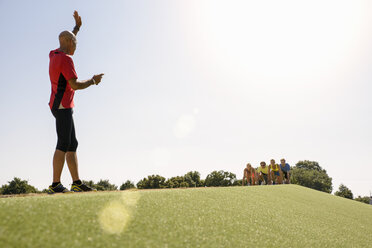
(285, 167)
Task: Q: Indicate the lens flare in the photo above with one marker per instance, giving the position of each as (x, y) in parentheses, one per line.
(130, 198)
(116, 215)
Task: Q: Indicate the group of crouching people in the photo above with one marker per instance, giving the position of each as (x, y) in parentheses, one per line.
(267, 174)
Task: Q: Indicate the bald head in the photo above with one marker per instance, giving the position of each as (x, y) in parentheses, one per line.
(66, 36)
(67, 42)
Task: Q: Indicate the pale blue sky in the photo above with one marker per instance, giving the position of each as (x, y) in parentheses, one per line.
(192, 85)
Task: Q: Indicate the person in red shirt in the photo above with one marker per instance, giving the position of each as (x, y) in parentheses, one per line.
(64, 82)
(250, 175)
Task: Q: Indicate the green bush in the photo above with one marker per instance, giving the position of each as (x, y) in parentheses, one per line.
(176, 182)
(193, 179)
(18, 186)
(311, 175)
(344, 191)
(220, 178)
(102, 185)
(105, 185)
(127, 185)
(152, 182)
(364, 199)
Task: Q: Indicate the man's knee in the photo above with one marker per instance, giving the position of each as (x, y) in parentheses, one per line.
(73, 146)
(67, 145)
(63, 145)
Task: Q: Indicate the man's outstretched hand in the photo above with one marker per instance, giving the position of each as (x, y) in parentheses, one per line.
(98, 78)
(77, 19)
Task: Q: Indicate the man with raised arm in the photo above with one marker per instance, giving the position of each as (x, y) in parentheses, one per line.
(64, 83)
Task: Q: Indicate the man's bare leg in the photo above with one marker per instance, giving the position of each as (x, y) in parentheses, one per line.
(252, 180)
(261, 178)
(269, 179)
(274, 178)
(72, 163)
(58, 162)
(281, 179)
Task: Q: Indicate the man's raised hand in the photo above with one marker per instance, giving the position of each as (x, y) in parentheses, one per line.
(97, 78)
(77, 22)
(77, 19)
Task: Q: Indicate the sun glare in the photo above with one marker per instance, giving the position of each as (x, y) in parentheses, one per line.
(288, 38)
(116, 215)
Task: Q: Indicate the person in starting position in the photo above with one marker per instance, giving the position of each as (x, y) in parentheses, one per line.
(285, 168)
(275, 172)
(250, 174)
(264, 173)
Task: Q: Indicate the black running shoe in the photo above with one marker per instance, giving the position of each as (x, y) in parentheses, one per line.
(81, 188)
(57, 189)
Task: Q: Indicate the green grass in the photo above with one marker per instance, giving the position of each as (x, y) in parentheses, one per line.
(262, 216)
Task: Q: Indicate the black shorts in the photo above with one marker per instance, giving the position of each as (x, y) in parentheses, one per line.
(65, 130)
(286, 174)
(264, 176)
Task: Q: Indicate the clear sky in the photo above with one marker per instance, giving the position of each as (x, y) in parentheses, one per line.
(191, 85)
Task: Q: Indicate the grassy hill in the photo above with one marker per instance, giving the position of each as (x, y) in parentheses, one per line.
(261, 216)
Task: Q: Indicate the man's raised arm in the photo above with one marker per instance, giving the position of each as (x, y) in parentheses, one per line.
(77, 22)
